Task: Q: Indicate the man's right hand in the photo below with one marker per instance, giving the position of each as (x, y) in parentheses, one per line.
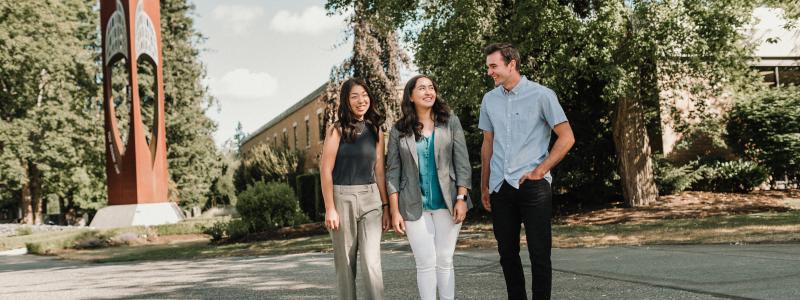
(485, 200)
(331, 219)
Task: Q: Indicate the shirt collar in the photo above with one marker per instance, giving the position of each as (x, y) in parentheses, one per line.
(517, 88)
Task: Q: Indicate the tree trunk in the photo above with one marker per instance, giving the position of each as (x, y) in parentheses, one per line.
(36, 195)
(70, 213)
(62, 211)
(44, 210)
(25, 205)
(633, 150)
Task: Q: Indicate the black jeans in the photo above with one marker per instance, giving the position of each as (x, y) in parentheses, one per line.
(531, 204)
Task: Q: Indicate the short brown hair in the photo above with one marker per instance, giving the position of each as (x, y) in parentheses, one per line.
(507, 50)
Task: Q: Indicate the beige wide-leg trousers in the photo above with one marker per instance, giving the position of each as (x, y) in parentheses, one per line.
(359, 209)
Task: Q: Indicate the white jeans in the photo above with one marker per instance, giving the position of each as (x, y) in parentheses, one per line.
(433, 241)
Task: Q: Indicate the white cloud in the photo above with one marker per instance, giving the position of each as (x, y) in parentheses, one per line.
(242, 83)
(313, 20)
(239, 18)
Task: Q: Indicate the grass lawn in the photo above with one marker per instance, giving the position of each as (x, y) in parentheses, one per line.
(50, 237)
(780, 227)
(44, 242)
(753, 228)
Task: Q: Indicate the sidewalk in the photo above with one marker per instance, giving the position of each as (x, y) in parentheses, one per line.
(661, 272)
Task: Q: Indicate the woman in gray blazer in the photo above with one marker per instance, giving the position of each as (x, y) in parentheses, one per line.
(427, 178)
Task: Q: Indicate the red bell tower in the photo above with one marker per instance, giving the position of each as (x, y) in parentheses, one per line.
(133, 94)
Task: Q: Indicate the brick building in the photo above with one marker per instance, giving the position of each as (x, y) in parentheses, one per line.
(777, 59)
(300, 127)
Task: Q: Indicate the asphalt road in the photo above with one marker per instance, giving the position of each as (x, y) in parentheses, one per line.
(656, 272)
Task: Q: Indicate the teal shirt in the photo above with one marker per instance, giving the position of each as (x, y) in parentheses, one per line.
(432, 198)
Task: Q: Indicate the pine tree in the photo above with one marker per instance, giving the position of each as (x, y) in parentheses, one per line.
(191, 153)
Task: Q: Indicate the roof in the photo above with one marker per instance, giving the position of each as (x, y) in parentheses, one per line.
(289, 111)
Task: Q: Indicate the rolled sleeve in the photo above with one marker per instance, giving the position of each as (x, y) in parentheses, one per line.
(460, 154)
(552, 112)
(484, 122)
(393, 163)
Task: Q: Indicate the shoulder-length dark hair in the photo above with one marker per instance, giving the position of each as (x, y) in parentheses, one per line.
(347, 120)
(408, 123)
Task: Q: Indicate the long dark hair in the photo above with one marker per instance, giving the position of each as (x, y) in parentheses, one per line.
(408, 123)
(347, 120)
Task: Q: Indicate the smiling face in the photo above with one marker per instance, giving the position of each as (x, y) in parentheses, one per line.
(497, 68)
(424, 94)
(359, 101)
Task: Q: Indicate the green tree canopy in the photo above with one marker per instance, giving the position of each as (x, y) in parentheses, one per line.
(610, 62)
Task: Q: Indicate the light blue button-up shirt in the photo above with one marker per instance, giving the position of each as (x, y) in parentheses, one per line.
(521, 121)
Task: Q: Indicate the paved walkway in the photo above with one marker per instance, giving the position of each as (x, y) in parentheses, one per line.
(660, 272)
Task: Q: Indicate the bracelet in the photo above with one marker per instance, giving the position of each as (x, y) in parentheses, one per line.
(384, 205)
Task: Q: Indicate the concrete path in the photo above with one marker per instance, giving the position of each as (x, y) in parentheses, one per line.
(660, 272)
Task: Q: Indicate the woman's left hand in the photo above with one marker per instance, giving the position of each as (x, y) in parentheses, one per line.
(386, 221)
(459, 211)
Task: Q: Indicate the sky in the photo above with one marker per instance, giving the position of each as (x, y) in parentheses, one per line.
(264, 56)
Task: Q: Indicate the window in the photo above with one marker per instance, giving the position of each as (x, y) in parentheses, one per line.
(780, 76)
(285, 139)
(294, 135)
(274, 140)
(321, 127)
(789, 75)
(308, 133)
(768, 75)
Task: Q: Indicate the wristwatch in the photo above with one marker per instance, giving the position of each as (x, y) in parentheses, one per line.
(461, 197)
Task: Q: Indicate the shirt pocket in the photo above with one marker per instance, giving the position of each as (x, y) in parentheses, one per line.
(524, 115)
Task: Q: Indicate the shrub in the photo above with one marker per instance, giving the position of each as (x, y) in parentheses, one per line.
(37, 248)
(233, 229)
(92, 240)
(237, 229)
(766, 128)
(24, 230)
(308, 188)
(125, 238)
(267, 206)
(217, 231)
(731, 176)
(672, 179)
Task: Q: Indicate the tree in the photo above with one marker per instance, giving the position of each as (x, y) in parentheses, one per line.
(51, 121)
(223, 190)
(192, 156)
(51, 129)
(264, 163)
(765, 127)
(239, 136)
(609, 62)
(377, 57)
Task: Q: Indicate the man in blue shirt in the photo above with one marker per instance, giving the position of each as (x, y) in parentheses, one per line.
(517, 118)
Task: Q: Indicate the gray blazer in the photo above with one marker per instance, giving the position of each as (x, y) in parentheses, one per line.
(452, 165)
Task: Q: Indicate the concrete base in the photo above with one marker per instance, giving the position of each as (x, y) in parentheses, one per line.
(114, 216)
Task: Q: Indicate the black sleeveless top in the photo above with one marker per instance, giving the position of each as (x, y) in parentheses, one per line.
(355, 162)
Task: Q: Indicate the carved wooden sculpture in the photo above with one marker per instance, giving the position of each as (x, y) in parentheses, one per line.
(136, 149)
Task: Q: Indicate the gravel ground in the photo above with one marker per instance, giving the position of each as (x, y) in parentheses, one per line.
(12, 229)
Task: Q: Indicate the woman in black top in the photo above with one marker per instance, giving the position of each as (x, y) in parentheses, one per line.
(354, 190)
